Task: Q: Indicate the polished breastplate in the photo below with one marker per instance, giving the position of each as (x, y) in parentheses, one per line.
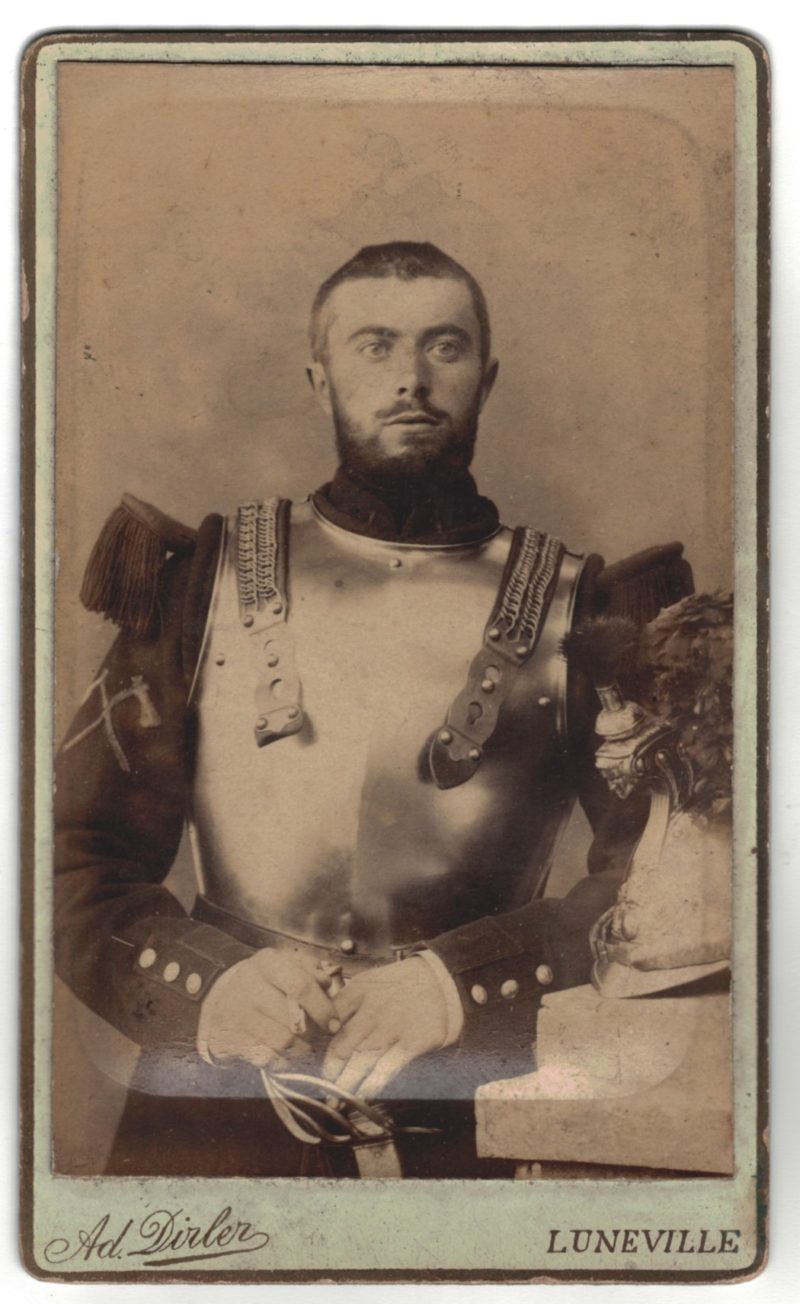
(335, 833)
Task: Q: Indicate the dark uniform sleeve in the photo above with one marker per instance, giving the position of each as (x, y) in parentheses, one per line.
(503, 965)
(123, 943)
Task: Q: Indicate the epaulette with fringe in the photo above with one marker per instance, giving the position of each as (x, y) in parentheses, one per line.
(640, 586)
(122, 574)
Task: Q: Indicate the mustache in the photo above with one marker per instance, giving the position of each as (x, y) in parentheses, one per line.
(401, 409)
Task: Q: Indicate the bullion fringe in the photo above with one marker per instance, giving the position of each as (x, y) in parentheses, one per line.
(641, 586)
(122, 574)
(640, 599)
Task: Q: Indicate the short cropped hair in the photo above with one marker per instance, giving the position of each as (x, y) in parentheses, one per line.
(406, 260)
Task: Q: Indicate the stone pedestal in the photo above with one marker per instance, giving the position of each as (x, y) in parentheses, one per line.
(640, 1083)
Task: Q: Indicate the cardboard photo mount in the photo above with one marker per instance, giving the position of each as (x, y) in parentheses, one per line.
(183, 196)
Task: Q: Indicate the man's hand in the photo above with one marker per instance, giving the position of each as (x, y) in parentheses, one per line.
(259, 1007)
(391, 1015)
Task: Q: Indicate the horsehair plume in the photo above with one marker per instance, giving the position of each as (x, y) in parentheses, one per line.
(689, 648)
(680, 668)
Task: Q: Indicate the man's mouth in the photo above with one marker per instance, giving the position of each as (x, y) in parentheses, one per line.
(413, 419)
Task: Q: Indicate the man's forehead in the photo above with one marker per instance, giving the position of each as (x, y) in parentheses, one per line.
(400, 304)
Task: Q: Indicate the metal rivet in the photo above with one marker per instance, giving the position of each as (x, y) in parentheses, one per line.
(509, 989)
(494, 634)
(522, 650)
(277, 608)
(347, 946)
(395, 563)
(171, 971)
(487, 685)
(293, 712)
(544, 975)
(479, 994)
(193, 984)
(273, 659)
(474, 753)
(445, 736)
(262, 722)
(544, 701)
(221, 659)
(249, 620)
(147, 958)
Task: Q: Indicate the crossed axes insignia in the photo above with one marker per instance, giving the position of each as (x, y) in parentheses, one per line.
(148, 715)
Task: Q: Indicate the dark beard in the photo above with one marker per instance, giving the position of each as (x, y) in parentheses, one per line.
(425, 494)
(422, 465)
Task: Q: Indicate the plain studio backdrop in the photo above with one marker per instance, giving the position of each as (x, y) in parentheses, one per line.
(201, 206)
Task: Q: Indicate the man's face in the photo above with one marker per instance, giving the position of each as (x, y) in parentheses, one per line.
(402, 373)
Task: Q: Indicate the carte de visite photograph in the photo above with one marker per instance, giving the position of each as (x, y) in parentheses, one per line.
(394, 464)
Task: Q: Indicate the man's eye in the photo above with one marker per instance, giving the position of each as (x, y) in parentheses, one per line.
(447, 350)
(375, 348)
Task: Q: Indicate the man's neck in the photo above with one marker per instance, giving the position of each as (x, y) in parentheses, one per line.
(436, 507)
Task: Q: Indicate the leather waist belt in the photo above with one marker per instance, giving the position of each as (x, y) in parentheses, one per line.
(255, 935)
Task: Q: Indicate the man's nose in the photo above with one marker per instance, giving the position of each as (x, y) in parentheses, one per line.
(412, 377)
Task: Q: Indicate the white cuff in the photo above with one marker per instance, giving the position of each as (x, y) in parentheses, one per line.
(455, 1010)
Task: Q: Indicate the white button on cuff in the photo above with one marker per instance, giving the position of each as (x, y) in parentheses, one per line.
(509, 989)
(544, 975)
(479, 994)
(193, 984)
(171, 971)
(147, 958)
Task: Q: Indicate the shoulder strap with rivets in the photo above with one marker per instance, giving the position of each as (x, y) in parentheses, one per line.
(262, 532)
(509, 641)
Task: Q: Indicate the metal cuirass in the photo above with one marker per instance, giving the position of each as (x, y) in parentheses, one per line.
(335, 833)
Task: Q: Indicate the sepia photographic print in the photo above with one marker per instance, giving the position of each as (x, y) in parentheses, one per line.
(394, 447)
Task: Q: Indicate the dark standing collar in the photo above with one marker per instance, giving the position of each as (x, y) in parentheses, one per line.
(436, 509)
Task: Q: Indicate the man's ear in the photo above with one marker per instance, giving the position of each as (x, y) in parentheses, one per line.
(489, 377)
(318, 381)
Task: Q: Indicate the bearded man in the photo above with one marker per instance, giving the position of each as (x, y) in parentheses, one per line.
(360, 707)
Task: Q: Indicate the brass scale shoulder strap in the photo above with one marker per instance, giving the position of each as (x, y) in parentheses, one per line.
(509, 641)
(261, 574)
